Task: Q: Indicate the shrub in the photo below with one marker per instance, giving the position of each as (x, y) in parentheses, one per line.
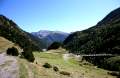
(55, 68)
(47, 65)
(65, 73)
(114, 73)
(12, 51)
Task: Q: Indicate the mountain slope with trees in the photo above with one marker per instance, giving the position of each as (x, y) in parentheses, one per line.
(104, 38)
(11, 31)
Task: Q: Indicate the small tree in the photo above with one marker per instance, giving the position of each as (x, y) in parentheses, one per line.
(29, 56)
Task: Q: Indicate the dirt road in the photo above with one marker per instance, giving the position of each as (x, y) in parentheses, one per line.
(8, 66)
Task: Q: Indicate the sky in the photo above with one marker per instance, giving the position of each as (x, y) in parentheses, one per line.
(57, 15)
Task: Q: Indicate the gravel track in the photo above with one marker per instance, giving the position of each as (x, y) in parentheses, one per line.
(8, 66)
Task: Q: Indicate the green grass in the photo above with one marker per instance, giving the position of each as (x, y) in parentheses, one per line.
(55, 59)
(47, 55)
(22, 68)
(71, 65)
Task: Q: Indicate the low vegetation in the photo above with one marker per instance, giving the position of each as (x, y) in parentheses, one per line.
(47, 65)
(12, 51)
(55, 68)
(65, 73)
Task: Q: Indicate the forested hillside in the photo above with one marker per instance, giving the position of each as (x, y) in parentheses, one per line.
(104, 38)
(11, 31)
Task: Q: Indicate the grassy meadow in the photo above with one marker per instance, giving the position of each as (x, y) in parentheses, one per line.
(55, 58)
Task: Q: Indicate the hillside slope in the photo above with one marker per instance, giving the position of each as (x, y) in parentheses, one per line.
(11, 31)
(5, 44)
(102, 38)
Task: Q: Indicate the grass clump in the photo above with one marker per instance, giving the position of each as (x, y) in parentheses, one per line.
(55, 68)
(47, 65)
(65, 73)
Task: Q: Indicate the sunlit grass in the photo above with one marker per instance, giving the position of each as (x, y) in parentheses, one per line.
(55, 59)
(71, 65)
(23, 71)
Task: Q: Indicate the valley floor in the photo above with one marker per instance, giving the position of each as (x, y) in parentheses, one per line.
(13, 67)
(57, 58)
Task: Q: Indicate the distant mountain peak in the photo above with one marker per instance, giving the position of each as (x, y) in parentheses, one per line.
(51, 36)
(44, 33)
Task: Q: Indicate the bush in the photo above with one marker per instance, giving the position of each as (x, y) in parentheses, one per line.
(65, 73)
(55, 68)
(47, 65)
(114, 73)
(12, 51)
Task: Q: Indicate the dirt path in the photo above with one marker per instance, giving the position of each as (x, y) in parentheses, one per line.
(8, 66)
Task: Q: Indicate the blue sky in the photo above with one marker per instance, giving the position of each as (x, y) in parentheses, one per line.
(57, 15)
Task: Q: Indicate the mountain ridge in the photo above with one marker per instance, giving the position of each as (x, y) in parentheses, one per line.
(102, 32)
(50, 36)
(103, 38)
